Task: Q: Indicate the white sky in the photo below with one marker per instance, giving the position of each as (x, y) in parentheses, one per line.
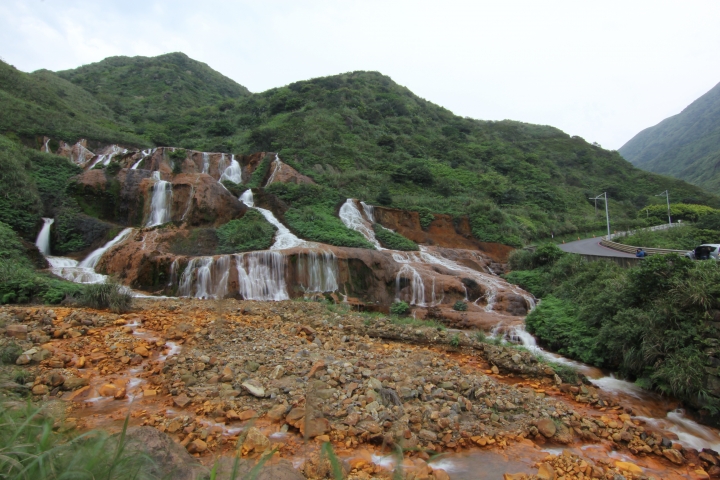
(603, 70)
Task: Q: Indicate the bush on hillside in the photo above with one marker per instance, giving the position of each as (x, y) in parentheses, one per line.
(460, 306)
(108, 295)
(399, 308)
(393, 240)
(251, 232)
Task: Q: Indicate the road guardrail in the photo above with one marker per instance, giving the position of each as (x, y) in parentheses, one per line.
(630, 249)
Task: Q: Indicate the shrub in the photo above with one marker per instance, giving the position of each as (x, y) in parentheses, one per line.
(108, 295)
(455, 340)
(251, 232)
(178, 154)
(460, 306)
(399, 308)
(393, 240)
(10, 352)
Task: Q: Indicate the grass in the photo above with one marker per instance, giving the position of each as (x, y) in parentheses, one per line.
(416, 322)
(110, 295)
(31, 449)
(393, 240)
(251, 232)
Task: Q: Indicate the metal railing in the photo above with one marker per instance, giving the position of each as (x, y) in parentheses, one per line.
(630, 249)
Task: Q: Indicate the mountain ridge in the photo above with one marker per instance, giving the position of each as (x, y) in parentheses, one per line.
(685, 145)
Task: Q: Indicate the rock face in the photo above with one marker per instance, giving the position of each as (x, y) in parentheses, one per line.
(170, 460)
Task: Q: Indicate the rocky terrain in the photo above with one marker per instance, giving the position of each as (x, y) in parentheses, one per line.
(287, 377)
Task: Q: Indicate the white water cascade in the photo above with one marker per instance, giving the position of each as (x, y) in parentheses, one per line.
(46, 148)
(92, 260)
(106, 158)
(206, 162)
(205, 277)
(417, 285)
(284, 238)
(261, 275)
(79, 159)
(161, 206)
(369, 212)
(233, 172)
(43, 238)
(319, 270)
(353, 219)
(276, 166)
(144, 155)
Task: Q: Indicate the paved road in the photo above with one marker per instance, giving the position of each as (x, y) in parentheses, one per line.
(591, 246)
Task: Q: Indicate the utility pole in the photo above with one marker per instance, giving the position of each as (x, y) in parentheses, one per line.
(666, 194)
(607, 213)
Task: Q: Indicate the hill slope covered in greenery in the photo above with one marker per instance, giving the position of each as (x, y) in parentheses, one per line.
(686, 145)
(362, 135)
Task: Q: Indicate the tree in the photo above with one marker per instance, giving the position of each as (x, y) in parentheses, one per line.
(384, 197)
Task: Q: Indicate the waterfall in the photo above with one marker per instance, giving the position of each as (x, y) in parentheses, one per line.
(144, 155)
(319, 271)
(46, 148)
(232, 172)
(106, 158)
(205, 277)
(353, 219)
(43, 238)
(92, 260)
(69, 269)
(81, 151)
(369, 212)
(173, 272)
(161, 206)
(261, 275)
(417, 286)
(206, 162)
(247, 198)
(284, 238)
(277, 166)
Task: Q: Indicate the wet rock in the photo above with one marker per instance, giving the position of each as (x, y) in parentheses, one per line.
(169, 459)
(546, 427)
(40, 390)
(629, 467)
(427, 435)
(181, 400)
(276, 413)
(197, 446)
(254, 387)
(142, 351)
(312, 427)
(674, 456)
(120, 394)
(23, 359)
(546, 472)
(107, 390)
(17, 331)
(255, 441)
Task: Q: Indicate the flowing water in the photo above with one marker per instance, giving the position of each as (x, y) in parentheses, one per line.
(143, 155)
(43, 238)
(205, 277)
(276, 166)
(261, 275)
(92, 260)
(352, 218)
(46, 147)
(106, 158)
(233, 172)
(318, 271)
(79, 158)
(206, 162)
(160, 207)
(284, 238)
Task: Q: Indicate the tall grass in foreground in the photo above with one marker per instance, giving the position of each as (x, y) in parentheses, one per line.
(30, 449)
(107, 295)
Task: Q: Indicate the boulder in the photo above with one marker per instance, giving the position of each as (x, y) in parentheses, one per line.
(546, 427)
(255, 441)
(254, 387)
(17, 331)
(674, 456)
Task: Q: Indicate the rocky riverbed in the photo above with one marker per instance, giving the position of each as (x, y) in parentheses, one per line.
(285, 378)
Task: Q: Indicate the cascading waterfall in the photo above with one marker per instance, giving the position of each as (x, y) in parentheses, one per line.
(261, 275)
(206, 162)
(417, 285)
(106, 158)
(160, 208)
(205, 277)
(144, 155)
(319, 270)
(352, 218)
(81, 151)
(233, 172)
(43, 238)
(173, 272)
(93, 259)
(369, 212)
(277, 166)
(46, 148)
(284, 238)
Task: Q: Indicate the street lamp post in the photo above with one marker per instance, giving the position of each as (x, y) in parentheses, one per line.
(607, 213)
(666, 194)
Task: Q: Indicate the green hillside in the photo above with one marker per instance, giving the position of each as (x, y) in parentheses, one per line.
(362, 135)
(154, 90)
(686, 145)
(41, 103)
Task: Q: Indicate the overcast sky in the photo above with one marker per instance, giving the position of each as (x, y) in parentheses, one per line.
(603, 70)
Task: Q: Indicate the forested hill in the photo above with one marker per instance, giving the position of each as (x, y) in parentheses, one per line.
(358, 135)
(686, 145)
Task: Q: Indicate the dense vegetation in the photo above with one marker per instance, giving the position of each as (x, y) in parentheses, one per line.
(251, 232)
(686, 145)
(702, 225)
(361, 135)
(393, 240)
(20, 282)
(654, 323)
(313, 216)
